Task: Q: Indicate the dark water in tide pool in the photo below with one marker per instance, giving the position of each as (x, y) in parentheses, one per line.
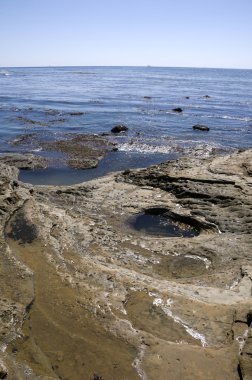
(41, 100)
(161, 225)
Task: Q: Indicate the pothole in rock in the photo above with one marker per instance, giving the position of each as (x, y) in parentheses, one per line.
(162, 222)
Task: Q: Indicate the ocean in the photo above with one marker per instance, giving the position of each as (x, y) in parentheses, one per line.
(46, 101)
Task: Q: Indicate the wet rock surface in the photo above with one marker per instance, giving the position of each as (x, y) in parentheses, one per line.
(24, 161)
(178, 110)
(77, 151)
(82, 151)
(119, 128)
(85, 296)
(200, 127)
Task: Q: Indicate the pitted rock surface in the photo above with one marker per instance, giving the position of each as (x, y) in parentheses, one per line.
(89, 296)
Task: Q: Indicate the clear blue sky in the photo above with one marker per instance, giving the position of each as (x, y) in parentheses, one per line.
(199, 33)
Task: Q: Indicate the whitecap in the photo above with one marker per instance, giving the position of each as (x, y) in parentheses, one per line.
(138, 147)
(5, 73)
(228, 117)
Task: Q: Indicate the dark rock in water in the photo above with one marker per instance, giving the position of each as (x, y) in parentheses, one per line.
(76, 113)
(178, 109)
(119, 128)
(201, 127)
(147, 97)
(187, 97)
(206, 96)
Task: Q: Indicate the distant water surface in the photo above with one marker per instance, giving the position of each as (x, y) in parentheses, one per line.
(44, 100)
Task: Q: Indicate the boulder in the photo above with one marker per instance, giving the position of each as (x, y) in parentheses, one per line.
(201, 127)
(119, 128)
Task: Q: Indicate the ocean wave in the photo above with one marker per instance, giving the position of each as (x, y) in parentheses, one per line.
(36, 149)
(227, 117)
(5, 73)
(214, 116)
(181, 147)
(145, 148)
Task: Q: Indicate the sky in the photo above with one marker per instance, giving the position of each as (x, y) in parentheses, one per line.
(177, 33)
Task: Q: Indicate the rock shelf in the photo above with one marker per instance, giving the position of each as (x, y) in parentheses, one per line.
(83, 296)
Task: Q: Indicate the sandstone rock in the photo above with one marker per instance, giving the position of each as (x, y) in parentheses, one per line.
(24, 161)
(81, 151)
(167, 305)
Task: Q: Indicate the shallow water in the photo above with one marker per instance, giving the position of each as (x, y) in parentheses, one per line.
(160, 225)
(112, 162)
(46, 101)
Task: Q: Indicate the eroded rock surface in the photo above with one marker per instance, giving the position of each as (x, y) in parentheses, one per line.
(23, 161)
(77, 151)
(86, 296)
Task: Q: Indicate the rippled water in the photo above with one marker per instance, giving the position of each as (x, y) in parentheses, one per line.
(41, 100)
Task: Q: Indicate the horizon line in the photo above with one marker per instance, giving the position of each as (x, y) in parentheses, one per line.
(137, 66)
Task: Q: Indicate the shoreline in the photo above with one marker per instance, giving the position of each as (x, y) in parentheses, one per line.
(79, 282)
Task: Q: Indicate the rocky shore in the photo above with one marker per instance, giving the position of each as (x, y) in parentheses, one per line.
(84, 295)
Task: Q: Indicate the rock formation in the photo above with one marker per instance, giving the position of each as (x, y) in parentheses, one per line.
(85, 296)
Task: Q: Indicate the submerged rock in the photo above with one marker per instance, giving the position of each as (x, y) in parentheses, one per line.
(178, 109)
(76, 113)
(82, 151)
(79, 151)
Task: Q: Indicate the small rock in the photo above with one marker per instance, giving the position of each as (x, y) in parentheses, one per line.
(119, 128)
(201, 127)
(178, 109)
(126, 172)
(206, 96)
(76, 113)
(187, 97)
(97, 377)
(3, 374)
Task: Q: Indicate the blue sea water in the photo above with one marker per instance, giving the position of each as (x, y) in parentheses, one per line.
(140, 97)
